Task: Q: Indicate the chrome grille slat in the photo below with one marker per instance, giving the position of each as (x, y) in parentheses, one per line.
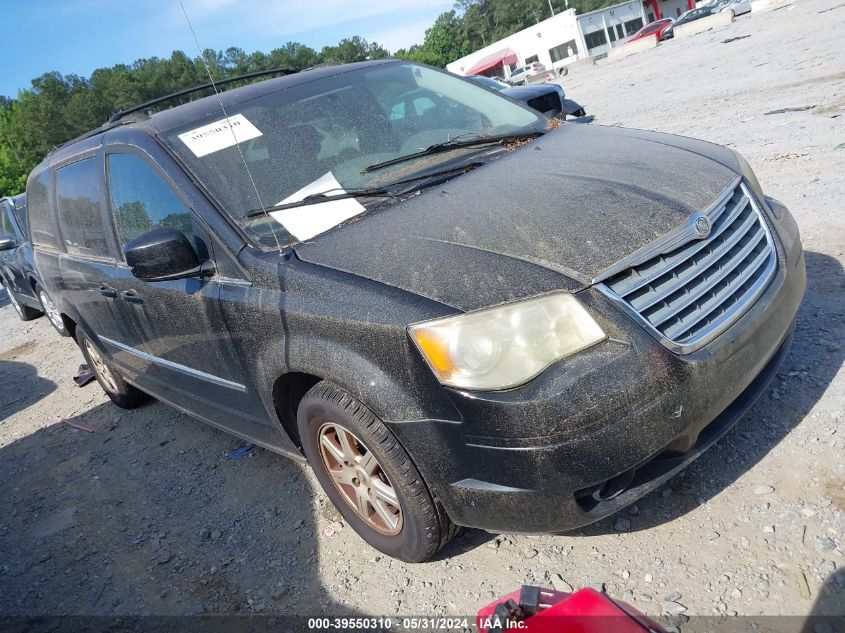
(705, 264)
(714, 303)
(683, 255)
(691, 292)
(689, 298)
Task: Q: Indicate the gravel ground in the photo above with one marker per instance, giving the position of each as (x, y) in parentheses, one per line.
(142, 512)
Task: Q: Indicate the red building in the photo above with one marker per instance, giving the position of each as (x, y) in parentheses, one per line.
(657, 9)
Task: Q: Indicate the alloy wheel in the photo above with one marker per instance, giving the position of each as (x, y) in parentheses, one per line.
(100, 368)
(51, 310)
(360, 479)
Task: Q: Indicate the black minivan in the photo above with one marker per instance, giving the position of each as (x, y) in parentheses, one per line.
(17, 266)
(303, 264)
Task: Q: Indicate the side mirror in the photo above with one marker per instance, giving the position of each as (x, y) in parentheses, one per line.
(164, 254)
(6, 243)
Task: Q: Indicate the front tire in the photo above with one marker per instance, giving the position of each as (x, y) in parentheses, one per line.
(118, 390)
(54, 316)
(369, 477)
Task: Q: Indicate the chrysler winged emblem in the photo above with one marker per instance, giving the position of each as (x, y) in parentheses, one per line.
(698, 226)
(701, 225)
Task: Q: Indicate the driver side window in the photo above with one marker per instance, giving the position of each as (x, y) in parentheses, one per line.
(141, 200)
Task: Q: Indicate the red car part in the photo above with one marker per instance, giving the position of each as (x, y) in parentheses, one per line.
(537, 610)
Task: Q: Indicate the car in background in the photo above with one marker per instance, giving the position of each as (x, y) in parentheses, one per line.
(685, 18)
(17, 266)
(527, 73)
(550, 99)
(657, 28)
(736, 7)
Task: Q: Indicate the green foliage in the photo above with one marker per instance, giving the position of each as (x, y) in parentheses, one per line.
(354, 49)
(57, 108)
(444, 42)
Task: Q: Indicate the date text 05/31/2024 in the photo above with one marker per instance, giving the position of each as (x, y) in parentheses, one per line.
(410, 624)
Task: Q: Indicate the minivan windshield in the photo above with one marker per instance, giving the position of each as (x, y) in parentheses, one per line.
(322, 136)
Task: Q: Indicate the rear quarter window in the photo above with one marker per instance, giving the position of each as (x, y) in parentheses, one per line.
(41, 226)
(79, 210)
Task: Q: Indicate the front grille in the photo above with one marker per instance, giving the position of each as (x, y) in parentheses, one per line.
(545, 103)
(690, 294)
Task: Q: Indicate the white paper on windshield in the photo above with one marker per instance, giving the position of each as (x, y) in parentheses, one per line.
(307, 221)
(219, 135)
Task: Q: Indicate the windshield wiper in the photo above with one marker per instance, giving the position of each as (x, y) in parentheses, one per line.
(317, 198)
(383, 191)
(446, 146)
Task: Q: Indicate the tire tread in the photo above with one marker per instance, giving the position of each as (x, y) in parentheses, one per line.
(439, 529)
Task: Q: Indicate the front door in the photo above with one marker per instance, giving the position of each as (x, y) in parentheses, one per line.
(184, 333)
(87, 264)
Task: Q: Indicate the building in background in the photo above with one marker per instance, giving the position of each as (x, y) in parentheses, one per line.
(567, 37)
(656, 9)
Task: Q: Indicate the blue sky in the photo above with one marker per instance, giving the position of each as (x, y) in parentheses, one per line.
(77, 36)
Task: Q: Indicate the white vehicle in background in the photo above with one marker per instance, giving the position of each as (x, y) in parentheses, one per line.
(529, 73)
(736, 7)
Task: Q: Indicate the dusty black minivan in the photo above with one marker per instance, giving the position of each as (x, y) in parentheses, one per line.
(17, 266)
(339, 266)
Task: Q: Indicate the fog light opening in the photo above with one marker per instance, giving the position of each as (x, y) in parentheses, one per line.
(612, 488)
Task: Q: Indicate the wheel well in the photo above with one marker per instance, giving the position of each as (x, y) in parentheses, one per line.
(70, 324)
(288, 391)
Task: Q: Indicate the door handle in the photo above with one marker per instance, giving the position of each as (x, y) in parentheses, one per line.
(130, 296)
(108, 291)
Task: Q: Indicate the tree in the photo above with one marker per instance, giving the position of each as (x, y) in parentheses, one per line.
(353, 49)
(57, 108)
(293, 55)
(442, 43)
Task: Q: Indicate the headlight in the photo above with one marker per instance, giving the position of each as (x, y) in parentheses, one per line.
(505, 346)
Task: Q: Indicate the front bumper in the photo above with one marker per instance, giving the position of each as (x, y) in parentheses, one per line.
(619, 420)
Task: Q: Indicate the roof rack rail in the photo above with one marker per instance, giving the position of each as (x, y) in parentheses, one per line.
(181, 93)
(97, 130)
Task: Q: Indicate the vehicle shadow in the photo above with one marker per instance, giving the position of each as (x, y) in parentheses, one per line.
(828, 612)
(150, 517)
(813, 361)
(22, 386)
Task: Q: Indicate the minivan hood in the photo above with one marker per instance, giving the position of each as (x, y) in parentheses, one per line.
(528, 91)
(550, 215)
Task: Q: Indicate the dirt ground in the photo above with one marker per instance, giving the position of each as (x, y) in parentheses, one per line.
(142, 512)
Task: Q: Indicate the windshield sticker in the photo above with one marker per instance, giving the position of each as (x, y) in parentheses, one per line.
(219, 135)
(306, 222)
